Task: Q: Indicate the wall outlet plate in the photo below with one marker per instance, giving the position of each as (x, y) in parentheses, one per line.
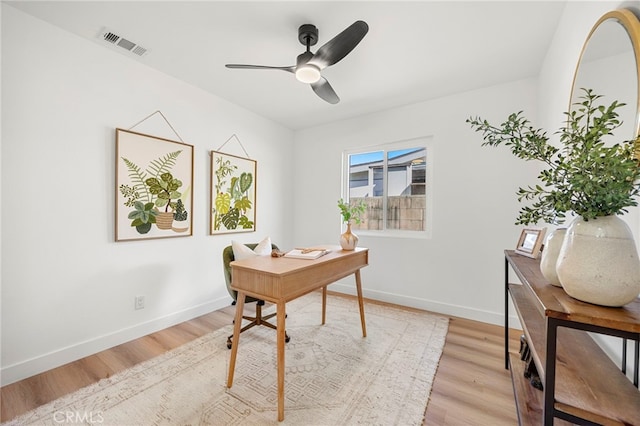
(139, 302)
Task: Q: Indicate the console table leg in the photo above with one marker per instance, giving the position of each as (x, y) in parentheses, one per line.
(550, 372)
(623, 364)
(237, 326)
(361, 303)
(636, 361)
(506, 314)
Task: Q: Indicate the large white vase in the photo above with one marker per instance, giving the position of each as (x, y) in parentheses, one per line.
(549, 255)
(598, 262)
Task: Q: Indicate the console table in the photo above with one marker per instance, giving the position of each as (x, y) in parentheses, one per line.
(581, 383)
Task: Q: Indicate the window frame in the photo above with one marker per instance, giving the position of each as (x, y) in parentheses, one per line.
(425, 142)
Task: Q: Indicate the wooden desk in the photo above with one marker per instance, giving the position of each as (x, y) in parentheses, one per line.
(279, 280)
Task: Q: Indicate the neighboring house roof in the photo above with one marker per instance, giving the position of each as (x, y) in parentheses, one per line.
(404, 159)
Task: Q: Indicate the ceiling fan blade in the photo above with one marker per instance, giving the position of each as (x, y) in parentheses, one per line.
(340, 46)
(325, 91)
(259, 67)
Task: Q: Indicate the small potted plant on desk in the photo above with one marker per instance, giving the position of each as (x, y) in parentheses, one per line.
(351, 212)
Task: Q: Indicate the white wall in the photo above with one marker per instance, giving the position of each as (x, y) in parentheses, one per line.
(67, 288)
(459, 271)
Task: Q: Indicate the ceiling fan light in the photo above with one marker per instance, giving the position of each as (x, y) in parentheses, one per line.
(308, 73)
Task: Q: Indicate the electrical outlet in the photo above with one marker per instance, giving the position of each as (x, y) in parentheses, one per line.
(139, 302)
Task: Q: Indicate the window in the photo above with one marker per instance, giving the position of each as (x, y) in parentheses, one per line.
(392, 181)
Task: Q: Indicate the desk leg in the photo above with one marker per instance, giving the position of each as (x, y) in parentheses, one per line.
(236, 337)
(324, 304)
(281, 338)
(361, 303)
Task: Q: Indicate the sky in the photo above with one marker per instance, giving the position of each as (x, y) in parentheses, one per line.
(368, 157)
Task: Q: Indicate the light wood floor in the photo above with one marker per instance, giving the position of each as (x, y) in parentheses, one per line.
(471, 386)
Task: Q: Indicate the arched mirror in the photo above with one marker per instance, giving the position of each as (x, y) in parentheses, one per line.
(609, 65)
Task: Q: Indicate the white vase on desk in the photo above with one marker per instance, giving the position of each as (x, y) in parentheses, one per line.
(348, 240)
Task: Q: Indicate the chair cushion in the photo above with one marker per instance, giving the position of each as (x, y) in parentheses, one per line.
(241, 251)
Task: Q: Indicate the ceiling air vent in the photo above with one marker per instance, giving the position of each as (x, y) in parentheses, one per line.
(115, 39)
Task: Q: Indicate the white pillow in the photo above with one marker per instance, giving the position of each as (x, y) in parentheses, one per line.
(240, 251)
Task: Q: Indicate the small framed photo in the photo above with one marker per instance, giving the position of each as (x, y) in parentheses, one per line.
(530, 242)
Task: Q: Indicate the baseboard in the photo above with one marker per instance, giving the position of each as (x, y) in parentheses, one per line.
(22, 370)
(496, 318)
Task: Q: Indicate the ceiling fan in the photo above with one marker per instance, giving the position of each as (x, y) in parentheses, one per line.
(308, 65)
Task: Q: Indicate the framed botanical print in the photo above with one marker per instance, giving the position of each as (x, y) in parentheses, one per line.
(154, 187)
(233, 194)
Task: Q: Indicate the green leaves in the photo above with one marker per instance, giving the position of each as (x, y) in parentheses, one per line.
(223, 203)
(243, 204)
(130, 194)
(352, 210)
(224, 169)
(245, 222)
(584, 176)
(163, 164)
(232, 202)
(180, 213)
(246, 179)
(137, 177)
(523, 140)
(143, 216)
(230, 220)
(240, 185)
(165, 189)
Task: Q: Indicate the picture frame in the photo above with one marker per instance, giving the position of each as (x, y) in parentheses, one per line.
(530, 242)
(154, 187)
(233, 194)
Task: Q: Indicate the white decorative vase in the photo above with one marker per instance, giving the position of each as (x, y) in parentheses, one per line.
(348, 240)
(598, 262)
(549, 255)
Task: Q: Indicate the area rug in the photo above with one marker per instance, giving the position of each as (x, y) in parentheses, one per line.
(333, 375)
